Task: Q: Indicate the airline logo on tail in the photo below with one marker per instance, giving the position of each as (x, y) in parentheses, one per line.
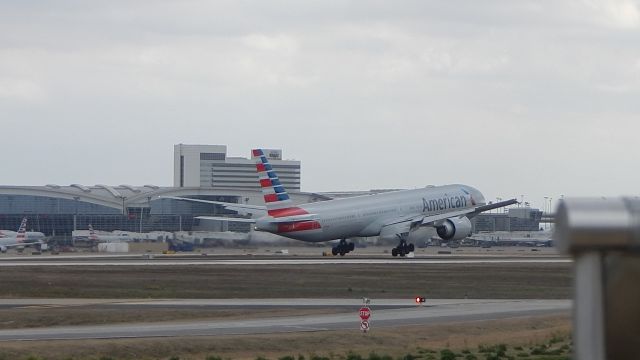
(21, 236)
(92, 233)
(276, 198)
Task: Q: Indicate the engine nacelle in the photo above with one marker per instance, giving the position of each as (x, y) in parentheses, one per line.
(3, 249)
(454, 228)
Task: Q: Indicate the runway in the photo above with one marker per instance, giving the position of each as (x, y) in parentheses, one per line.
(168, 261)
(385, 313)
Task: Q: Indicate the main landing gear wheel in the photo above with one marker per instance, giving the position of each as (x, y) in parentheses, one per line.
(403, 248)
(343, 248)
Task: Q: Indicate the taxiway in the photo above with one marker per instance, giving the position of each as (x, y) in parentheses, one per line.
(394, 312)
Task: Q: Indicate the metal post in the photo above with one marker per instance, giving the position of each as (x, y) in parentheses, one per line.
(588, 311)
(603, 235)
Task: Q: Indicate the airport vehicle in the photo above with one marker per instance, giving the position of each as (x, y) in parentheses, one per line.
(94, 237)
(391, 215)
(20, 240)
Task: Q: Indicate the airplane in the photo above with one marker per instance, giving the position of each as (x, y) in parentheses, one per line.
(20, 240)
(30, 235)
(107, 238)
(390, 215)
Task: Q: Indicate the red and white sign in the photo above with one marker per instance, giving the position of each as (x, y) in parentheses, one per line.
(364, 325)
(365, 313)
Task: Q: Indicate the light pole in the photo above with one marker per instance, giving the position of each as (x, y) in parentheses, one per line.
(141, 210)
(544, 210)
(75, 215)
(123, 208)
(549, 214)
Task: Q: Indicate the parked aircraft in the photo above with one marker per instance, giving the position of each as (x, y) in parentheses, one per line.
(107, 238)
(390, 215)
(20, 240)
(30, 235)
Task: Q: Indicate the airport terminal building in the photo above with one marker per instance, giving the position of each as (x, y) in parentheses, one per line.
(512, 219)
(200, 171)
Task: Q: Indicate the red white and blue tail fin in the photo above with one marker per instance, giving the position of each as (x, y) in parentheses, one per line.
(275, 196)
(286, 217)
(21, 236)
(92, 233)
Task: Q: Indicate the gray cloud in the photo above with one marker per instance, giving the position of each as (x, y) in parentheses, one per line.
(527, 97)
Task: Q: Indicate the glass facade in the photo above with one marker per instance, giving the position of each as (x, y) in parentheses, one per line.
(29, 204)
(63, 225)
(55, 216)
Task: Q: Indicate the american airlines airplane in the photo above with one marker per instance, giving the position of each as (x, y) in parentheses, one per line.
(30, 235)
(107, 238)
(21, 238)
(391, 215)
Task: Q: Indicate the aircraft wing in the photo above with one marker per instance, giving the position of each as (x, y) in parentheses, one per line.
(246, 208)
(435, 220)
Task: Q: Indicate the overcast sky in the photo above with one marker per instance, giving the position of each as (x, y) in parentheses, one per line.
(540, 98)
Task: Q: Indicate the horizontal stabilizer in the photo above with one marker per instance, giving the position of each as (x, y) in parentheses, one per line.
(295, 218)
(244, 208)
(222, 218)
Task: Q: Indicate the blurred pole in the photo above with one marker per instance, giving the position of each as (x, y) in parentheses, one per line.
(603, 236)
(588, 308)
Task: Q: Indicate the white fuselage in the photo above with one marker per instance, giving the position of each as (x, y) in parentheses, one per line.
(367, 215)
(30, 235)
(110, 238)
(12, 241)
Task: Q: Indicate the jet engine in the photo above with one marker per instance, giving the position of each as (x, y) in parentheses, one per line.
(454, 228)
(3, 249)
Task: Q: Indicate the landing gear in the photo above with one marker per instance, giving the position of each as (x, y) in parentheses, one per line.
(403, 248)
(342, 248)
